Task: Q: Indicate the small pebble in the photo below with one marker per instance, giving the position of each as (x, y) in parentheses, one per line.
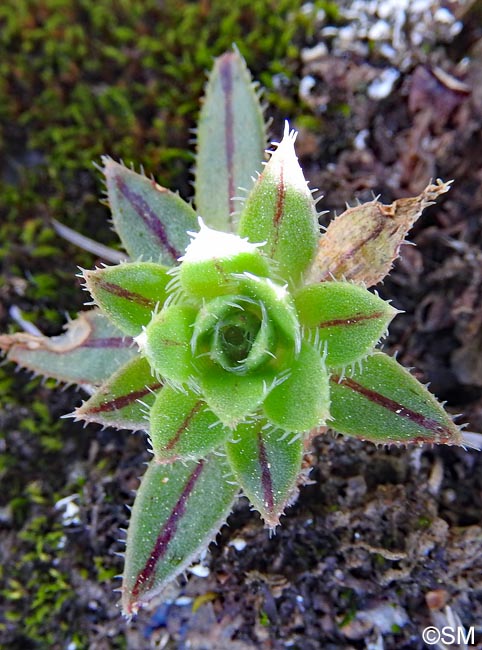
(383, 85)
(379, 30)
(306, 85)
(360, 140)
(199, 570)
(309, 54)
(238, 543)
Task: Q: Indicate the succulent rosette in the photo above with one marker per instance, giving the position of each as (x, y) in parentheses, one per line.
(231, 337)
(244, 360)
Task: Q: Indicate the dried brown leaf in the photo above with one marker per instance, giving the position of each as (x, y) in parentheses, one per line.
(88, 352)
(363, 242)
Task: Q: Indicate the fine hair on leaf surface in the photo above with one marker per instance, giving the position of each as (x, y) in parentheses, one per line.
(231, 335)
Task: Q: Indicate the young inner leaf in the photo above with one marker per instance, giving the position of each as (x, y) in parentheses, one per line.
(235, 336)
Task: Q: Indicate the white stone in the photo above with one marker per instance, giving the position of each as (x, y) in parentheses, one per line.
(383, 85)
(238, 543)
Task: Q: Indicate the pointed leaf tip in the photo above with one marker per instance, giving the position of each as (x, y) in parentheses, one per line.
(212, 258)
(151, 221)
(178, 510)
(231, 141)
(266, 461)
(280, 211)
(123, 399)
(345, 318)
(129, 293)
(382, 402)
(363, 242)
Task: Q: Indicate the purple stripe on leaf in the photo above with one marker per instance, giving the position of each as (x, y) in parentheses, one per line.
(266, 479)
(226, 76)
(445, 435)
(351, 320)
(108, 342)
(148, 216)
(147, 574)
(184, 425)
(120, 292)
(121, 401)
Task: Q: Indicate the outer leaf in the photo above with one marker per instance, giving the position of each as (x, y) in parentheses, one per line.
(232, 397)
(362, 243)
(382, 402)
(302, 402)
(152, 222)
(129, 293)
(231, 141)
(182, 427)
(178, 510)
(281, 212)
(166, 342)
(88, 353)
(347, 318)
(123, 399)
(266, 463)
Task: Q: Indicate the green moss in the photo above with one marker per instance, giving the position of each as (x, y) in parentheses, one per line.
(423, 522)
(263, 618)
(105, 573)
(348, 604)
(37, 590)
(331, 9)
(102, 77)
(6, 383)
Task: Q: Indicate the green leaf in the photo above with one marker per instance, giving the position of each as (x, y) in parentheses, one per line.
(301, 402)
(151, 221)
(235, 333)
(347, 318)
(178, 510)
(266, 462)
(278, 303)
(129, 293)
(123, 399)
(281, 212)
(89, 351)
(213, 257)
(233, 397)
(166, 342)
(230, 141)
(182, 427)
(383, 403)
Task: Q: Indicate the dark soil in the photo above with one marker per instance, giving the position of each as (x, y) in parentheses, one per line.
(385, 541)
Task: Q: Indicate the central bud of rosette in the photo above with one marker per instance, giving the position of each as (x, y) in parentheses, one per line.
(228, 331)
(236, 333)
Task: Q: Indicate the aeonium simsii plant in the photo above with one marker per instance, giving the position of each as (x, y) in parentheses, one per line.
(231, 336)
